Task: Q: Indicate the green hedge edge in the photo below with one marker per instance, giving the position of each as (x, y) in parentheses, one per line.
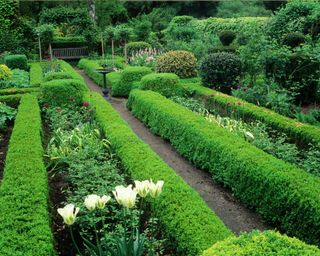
(284, 195)
(182, 212)
(303, 133)
(24, 220)
(36, 74)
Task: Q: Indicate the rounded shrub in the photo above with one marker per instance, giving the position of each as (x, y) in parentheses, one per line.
(166, 84)
(220, 71)
(16, 61)
(57, 75)
(181, 63)
(63, 91)
(227, 37)
(5, 72)
(136, 46)
(266, 243)
(127, 77)
(294, 39)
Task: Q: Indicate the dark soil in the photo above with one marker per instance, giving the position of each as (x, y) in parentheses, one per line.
(4, 143)
(234, 215)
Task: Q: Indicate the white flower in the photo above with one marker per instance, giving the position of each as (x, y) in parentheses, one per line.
(101, 203)
(69, 213)
(142, 187)
(91, 201)
(125, 196)
(156, 189)
(249, 135)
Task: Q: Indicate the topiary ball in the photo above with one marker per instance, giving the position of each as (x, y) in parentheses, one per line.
(181, 63)
(294, 39)
(268, 243)
(220, 71)
(227, 37)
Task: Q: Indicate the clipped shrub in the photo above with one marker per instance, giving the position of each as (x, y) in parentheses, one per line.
(5, 72)
(220, 71)
(164, 83)
(36, 74)
(62, 92)
(181, 63)
(128, 76)
(222, 48)
(16, 61)
(294, 39)
(261, 243)
(57, 75)
(227, 37)
(136, 46)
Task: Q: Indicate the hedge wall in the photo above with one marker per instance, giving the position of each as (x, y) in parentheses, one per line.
(284, 195)
(66, 67)
(268, 243)
(302, 133)
(36, 75)
(90, 66)
(24, 220)
(181, 210)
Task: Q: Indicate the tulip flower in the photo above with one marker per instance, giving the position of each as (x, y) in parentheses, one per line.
(91, 201)
(155, 189)
(142, 187)
(125, 196)
(69, 213)
(101, 202)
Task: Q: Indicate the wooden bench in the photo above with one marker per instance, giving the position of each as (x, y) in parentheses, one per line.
(70, 53)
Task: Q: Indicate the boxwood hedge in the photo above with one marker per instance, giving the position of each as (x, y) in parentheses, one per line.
(24, 219)
(266, 243)
(182, 212)
(284, 195)
(302, 133)
(36, 74)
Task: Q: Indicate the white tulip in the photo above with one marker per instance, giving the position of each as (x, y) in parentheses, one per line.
(69, 213)
(101, 203)
(91, 201)
(155, 189)
(249, 136)
(142, 187)
(125, 196)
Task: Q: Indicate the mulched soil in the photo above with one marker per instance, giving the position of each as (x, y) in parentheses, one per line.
(4, 143)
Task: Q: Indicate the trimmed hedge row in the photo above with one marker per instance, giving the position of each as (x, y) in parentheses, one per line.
(66, 67)
(284, 195)
(262, 243)
(36, 75)
(181, 211)
(90, 66)
(24, 219)
(303, 133)
(12, 100)
(11, 91)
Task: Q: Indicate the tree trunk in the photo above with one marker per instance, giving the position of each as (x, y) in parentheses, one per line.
(125, 52)
(112, 48)
(50, 51)
(102, 47)
(40, 51)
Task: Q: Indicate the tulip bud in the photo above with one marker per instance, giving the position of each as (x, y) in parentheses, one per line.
(69, 213)
(142, 187)
(156, 189)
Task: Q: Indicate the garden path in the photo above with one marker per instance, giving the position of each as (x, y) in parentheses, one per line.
(234, 215)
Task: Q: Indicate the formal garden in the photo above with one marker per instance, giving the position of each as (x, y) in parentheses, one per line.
(160, 128)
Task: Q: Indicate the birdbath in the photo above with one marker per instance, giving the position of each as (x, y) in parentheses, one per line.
(104, 71)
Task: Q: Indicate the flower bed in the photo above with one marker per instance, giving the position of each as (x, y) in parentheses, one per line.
(24, 220)
(303, 133)
(284, 195)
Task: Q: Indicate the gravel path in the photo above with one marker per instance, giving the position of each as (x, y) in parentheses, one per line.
(234, 215)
